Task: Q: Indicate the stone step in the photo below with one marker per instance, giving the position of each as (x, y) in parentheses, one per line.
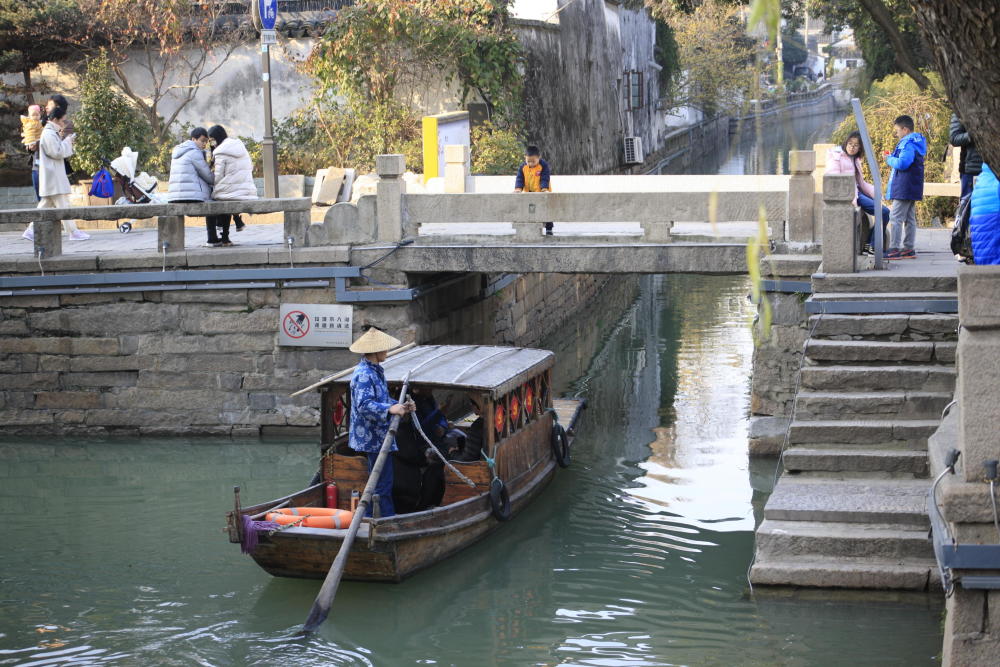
(790, 266)
(895, 326)
(881, 351)
(913, 574)
(871, 405)
(857, 461)
(893, 433)
(885, 281)
(785, 539)
(831, 303)
(874, 378)
(883, 296)
(895, 501)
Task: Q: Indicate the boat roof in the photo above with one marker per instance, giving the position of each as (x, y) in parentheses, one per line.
(482, 367)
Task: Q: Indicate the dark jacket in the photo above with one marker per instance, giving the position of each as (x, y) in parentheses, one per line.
(971, 162)
(907, 162)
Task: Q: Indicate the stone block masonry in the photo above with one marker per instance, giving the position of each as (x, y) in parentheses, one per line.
(208, 362)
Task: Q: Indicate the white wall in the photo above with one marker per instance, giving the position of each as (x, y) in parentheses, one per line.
(233, 96)
(536, 10)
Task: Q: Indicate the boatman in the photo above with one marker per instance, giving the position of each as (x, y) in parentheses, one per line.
(372, 408)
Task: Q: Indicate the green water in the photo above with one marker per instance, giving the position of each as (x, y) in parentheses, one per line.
(114, 552)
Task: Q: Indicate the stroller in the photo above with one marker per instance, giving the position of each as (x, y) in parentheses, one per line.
(139, 189)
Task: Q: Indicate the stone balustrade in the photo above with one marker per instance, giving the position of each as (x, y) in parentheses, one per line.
(972, 625)
(840, 244)
(170, 219)
(393, 214)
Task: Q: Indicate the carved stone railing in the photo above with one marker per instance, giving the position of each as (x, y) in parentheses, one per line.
(169, 219)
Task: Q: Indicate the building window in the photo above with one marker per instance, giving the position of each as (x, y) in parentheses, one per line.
(634, 90)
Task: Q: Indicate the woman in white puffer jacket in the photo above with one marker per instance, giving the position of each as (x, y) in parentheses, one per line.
(233, 174)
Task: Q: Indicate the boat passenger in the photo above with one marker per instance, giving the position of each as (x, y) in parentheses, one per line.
(468, 444)
(372, 408)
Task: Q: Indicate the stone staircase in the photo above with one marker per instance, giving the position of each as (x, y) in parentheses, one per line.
(849, 510)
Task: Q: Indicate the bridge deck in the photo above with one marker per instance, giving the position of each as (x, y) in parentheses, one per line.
(694, 245)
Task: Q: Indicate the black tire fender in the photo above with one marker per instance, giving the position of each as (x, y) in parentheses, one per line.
(499, 499)
(560, 445)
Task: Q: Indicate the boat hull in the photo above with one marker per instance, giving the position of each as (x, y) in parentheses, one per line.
(402, 546)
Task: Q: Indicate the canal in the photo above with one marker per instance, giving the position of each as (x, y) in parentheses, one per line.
(114, 552)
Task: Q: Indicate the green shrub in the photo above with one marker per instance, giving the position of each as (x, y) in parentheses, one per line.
(496, 151)
(106, 121)
(329, 135)
(894, 96)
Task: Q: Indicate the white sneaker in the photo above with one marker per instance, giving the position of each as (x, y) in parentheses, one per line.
(79, 235)
(28, 234)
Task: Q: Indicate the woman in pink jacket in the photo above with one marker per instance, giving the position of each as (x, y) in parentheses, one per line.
(846, 159)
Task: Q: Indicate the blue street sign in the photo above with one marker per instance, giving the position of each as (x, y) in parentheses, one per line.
(268, 13)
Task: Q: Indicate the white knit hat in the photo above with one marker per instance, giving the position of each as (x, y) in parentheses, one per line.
(374, 340)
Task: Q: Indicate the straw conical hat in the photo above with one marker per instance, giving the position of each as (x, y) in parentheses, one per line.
(374, 340)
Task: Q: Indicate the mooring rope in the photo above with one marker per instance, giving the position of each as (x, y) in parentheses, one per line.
(416, 422)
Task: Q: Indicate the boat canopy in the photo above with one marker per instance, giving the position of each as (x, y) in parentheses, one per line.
(481, 367)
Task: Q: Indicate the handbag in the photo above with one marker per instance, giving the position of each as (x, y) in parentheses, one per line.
(961, 239)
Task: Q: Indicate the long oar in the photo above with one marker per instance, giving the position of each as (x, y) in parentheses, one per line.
(321, 606)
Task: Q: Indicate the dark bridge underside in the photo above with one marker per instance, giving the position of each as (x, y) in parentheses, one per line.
(716, 258)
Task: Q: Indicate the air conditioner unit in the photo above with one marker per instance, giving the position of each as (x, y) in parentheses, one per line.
(633, 150)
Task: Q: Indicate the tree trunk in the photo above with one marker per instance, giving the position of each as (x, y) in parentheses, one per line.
(963, 36)
(26, 69)
(880, 14)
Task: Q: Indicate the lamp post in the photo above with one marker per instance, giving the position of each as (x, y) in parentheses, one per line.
(265, 13)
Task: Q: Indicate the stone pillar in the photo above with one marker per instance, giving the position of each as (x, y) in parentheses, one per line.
(297, 228)
(979, 366)
(170, 230)
(819, 168)
(819, 151)
(801, 195)
(456, 168)
(656, 231)
(839, 243)
(48, 239)
(972, 624)
(389, 194)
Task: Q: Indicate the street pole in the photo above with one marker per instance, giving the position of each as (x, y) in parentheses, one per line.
(267, 145)
(265, 14)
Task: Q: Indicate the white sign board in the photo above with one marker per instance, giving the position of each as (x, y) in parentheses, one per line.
(453, 130)
(315, 325)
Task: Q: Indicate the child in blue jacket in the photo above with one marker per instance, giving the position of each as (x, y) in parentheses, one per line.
(906, 187)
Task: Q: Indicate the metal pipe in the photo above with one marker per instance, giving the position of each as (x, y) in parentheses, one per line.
(866, 141)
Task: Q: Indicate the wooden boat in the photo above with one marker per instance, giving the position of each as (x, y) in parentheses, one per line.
(527, 434)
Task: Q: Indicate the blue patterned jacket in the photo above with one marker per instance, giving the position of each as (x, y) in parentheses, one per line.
(370, 405)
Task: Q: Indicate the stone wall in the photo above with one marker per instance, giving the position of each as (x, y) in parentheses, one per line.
(573, 85)
(208, 363)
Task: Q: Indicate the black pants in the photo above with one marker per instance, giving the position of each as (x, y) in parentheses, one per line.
(213, 221)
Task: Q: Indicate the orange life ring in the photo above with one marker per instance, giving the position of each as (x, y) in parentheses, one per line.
(311, 517)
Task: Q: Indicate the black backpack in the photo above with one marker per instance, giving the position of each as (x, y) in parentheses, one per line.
(961, 239)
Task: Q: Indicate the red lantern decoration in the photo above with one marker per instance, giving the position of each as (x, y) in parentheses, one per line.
(498, 418)
(515, 409)
(339, 411)
(529, 400)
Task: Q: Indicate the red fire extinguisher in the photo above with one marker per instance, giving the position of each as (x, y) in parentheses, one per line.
(331, 495)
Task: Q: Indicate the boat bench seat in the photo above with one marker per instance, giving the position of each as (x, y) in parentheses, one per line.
(351, 473)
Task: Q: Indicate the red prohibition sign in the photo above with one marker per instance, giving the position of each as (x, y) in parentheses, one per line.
(296, 324)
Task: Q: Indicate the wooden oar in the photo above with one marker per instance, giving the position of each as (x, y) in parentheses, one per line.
(321, 606)
(348, 371)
